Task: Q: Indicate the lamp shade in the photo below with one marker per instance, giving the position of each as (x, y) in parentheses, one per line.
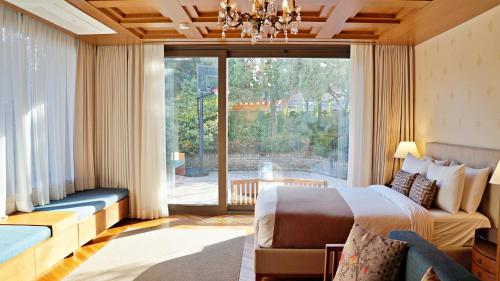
(406, 147)
(495, 179)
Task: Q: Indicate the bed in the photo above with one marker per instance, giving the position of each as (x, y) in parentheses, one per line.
(378, 208)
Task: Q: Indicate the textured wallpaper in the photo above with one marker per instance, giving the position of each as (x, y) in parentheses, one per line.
(458, 84)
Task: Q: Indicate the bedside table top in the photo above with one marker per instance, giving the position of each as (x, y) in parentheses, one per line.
(487, 234)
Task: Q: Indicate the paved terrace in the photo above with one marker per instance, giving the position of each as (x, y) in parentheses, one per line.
(204, 190)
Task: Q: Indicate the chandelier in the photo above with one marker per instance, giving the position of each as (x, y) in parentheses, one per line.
(263, 22)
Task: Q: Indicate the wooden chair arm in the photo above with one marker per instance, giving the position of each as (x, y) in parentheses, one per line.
(331, 250)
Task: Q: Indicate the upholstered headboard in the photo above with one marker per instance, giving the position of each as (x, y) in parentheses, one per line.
(473, 157)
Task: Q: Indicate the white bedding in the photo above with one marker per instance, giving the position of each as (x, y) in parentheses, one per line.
(378, 208)
(456, 230)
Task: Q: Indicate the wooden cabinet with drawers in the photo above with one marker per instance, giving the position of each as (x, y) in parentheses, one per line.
(484, 254)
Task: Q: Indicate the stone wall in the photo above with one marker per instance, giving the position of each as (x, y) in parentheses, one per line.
(289, 162)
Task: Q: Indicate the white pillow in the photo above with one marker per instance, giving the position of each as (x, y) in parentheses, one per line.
(414, 165)
(450, 186)
(475, 183)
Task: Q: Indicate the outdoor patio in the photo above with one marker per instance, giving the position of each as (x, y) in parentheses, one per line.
(204, 190)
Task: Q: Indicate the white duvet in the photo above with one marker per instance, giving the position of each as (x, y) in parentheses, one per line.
(377, 208)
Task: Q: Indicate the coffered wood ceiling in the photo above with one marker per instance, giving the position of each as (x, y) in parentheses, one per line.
(323, 21)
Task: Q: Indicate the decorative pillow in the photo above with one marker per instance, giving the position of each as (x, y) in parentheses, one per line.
(430, 275)
(402, 182)
(438, 162)
(415, 166)
(370, 257)
(475, 184)
(450, 186)
(423, 191)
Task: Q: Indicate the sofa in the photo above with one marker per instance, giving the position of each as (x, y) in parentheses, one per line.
(421, 255)
(31, 243)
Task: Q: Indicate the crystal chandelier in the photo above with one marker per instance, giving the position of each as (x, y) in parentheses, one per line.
(263, 22)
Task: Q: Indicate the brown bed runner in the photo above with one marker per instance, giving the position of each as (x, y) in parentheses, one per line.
(309, 218)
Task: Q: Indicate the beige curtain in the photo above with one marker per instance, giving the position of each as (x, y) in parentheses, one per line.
(111, 105)
(147, 144)
(84, 117)
(130, 126)
(393, 107)
(361, 116)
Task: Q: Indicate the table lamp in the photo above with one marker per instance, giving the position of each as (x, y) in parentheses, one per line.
(406, 147)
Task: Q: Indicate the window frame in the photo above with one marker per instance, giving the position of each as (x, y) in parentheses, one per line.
(223, 52)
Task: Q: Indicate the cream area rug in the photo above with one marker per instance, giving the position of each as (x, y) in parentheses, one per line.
(166, 254)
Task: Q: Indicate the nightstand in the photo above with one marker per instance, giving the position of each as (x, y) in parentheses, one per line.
(484, 254)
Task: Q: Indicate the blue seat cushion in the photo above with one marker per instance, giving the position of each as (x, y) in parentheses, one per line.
(86, 203)
(15, 239)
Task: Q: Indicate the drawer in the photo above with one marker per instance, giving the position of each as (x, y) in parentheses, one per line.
(483, 261)
(482, 274)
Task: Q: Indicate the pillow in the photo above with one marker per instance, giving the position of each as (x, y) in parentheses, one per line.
(438, 162)
(475, 183)
(414, 165)
(423, 191)
(430, 275)
(367, 256)
(450, 186)
(402, 182)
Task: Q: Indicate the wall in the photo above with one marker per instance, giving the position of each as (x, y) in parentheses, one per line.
(458, 84)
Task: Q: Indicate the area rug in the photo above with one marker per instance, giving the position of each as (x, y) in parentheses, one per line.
(166, 254)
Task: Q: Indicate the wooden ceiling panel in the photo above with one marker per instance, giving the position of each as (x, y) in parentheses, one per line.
(323, 21)
(356, 34)
(138, 10)
(381, 9)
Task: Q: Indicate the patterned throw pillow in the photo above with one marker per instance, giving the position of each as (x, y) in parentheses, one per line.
(423, 191)
(370, 257)
(402, 182)
(430, 275)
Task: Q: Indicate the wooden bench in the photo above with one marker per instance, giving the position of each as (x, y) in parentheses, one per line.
(245, 191)
(68, 234)
(37, 260)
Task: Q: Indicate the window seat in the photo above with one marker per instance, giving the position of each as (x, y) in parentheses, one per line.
(15, 239)
(86, 203)
(31, 243)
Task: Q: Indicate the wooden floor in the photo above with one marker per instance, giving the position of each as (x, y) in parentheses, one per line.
(177, 221)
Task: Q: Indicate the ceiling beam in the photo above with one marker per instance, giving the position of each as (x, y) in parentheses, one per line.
(174, 11)
(338, 17)
(123, 35)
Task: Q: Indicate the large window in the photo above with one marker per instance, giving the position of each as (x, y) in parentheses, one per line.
(288, 123)
(277, 120)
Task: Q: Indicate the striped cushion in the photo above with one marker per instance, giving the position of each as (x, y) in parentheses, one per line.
(402, 182)
(423, 191)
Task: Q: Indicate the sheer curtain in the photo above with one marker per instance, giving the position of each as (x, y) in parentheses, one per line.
(361, 116)
(130, 146)
(148, 165)
(37, 85)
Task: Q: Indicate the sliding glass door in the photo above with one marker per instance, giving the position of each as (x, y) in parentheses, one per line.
(238, 122)
(192, 130)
